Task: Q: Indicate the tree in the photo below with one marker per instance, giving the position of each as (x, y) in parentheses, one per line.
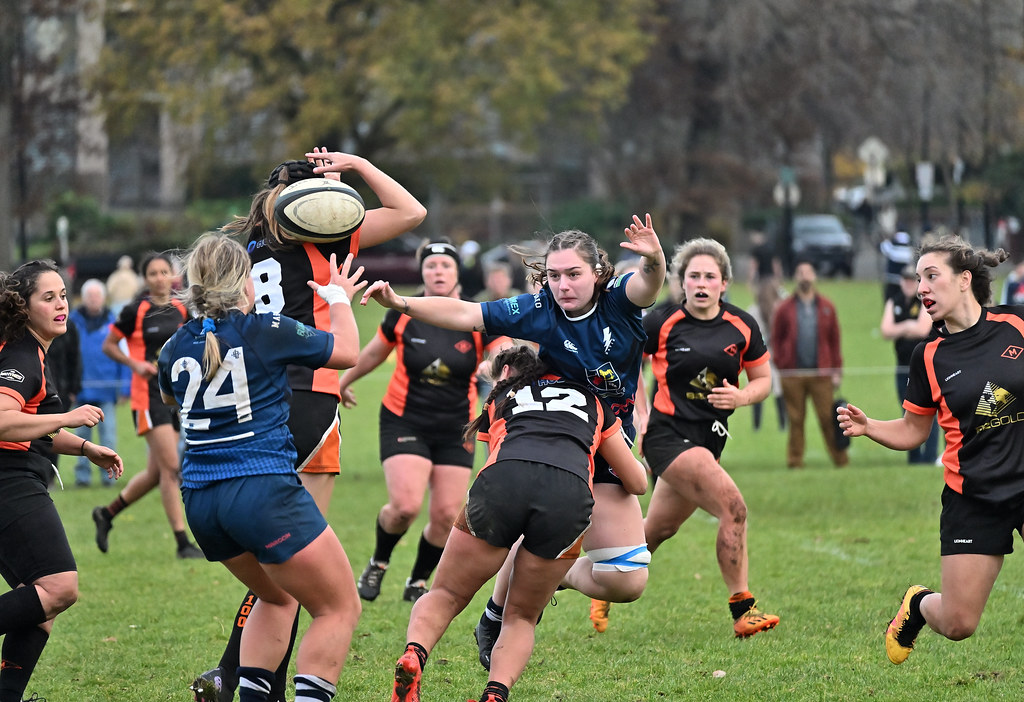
(435, 82)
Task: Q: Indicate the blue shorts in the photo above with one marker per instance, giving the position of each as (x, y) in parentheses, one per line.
(270, 516)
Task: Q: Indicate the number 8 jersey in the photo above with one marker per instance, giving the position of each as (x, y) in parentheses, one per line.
(244, 407)
(552, 421)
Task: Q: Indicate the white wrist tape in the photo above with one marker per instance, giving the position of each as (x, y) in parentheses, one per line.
(332, 294)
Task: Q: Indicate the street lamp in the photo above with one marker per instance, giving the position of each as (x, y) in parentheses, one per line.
(787, 196)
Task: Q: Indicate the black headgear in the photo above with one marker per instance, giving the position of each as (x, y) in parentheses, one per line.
(290, 172)
(439, 247)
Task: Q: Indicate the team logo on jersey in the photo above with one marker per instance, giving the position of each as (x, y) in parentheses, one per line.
(12, 375)
(463, 346)
(437, 373)
(1013, 352)
(606, 339)
(604, 379)
(702, 382)
(614, 282)
(731, 349)
(304, 331)
(994, 400)
(569, 346)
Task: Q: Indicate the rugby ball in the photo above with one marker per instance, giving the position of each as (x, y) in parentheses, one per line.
(319, 210)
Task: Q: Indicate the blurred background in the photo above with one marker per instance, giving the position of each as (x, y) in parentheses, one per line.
(130, 125)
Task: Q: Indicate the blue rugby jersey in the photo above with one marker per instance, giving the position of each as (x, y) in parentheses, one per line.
(602, 349)
(236, 423)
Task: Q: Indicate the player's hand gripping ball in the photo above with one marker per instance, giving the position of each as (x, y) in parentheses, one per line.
(319, 210)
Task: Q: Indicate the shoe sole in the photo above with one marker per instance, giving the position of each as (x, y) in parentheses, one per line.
(405, 680)
(748, 634)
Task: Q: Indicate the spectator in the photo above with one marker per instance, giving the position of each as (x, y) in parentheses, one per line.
(1013, 288)
(122, 285)
(764, 274)
(497, 283)
(65, 365)
(906, 323)
(103, 380)
(805, 346)
(898, 252)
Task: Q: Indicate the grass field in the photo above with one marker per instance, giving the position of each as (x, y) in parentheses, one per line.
(831, 551)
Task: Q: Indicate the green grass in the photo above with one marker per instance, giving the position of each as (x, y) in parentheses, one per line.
(831, 551)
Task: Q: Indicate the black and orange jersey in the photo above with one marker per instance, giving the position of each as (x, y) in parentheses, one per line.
(553, 421)
(974, 381)
(147, 327)
(25, 377)
(280, 275)
(434, 382)
(691, 356)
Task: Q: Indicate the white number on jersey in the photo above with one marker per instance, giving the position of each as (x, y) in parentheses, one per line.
(266, 282)
(552, 399)
(233, 365)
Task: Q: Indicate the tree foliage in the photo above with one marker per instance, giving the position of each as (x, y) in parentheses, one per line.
(429, 80)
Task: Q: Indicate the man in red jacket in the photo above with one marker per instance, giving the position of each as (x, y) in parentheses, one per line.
(805, 348)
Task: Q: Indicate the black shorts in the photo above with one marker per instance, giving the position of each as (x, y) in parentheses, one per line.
(157, 415)
(968, 525)
(602, 471)
(313, 422)
(34, 544)
(667, 439)
(442, 445)
(549, 507)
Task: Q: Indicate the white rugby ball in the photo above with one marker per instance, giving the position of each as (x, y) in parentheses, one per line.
(319, 210)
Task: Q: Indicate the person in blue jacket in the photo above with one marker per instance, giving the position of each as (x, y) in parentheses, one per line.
(104, 381)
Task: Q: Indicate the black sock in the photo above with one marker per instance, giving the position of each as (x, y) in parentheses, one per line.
(182, 539)
(427, 557)
(229, 659)
(915, 619)
(116, 506)
(281, 681)
(740, 605)
(254, 684)
(496, 689)
(21, 651)
(309, 688)
(421, 652)
(493, 611)
(20, 609)
(385, 543)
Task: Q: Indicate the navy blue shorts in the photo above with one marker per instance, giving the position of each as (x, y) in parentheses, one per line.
(968, 525)
(271, 516)
(549, 507)
(442, 445)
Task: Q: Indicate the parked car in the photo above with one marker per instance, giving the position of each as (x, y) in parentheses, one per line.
(823, 240)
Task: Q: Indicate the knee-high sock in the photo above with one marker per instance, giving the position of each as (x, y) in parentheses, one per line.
(21, 651)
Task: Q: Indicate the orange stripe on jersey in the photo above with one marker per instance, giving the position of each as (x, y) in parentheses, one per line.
(659, 365)
(495, 437)
(137, 351)
(398, 388)
(744, 331)
(949, 424)
(29, 405)
(325, 380)
(1011, 319)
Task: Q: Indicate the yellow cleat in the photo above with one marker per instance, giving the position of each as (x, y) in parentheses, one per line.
(899, 637)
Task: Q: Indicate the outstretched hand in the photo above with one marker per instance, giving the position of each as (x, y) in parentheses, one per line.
(643, 240)
(852, 420)
(331, 164)
(344, 279)
(381, 292)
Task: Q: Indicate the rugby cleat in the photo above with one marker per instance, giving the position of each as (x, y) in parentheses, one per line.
(900, 634)
(103, 526)
(369, 581)
(414, 590)
(211, 687)
(752, 621)
(407, 678)
(486, 633)
(599, 614)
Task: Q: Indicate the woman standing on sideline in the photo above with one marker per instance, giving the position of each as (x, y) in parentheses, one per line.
(543, 432)
(969, 374)
(688, 427)
(431, 397)
(280, 268)
(227, 370)
(588, 324)
(35, 558)
(146, 324)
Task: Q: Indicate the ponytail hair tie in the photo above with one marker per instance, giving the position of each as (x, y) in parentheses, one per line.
(209, 325)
